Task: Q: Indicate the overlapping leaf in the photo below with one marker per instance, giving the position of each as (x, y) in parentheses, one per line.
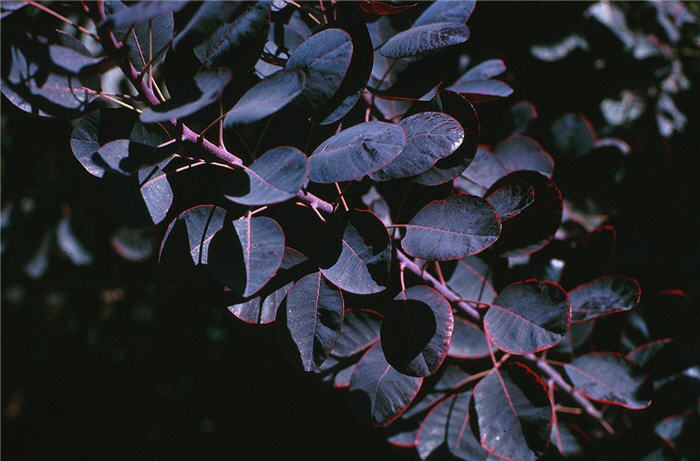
(355, 253)
(142, 12)
(446, 11)
(416, 331)
(609, 378)
(468, 341)
(356, 152)
(378, 392)
(478, 86)
(274, 177)
(528, 317)
(460, 438)
(513, 400)
(471, 280)
(511, 197)
(603, 296)
(313, 317)
(190, 234)
(419, 40)
(459, 226)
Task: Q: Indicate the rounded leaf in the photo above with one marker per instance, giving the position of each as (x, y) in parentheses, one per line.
(573, 135)
(313, 318)
(355, 253)
(459, 226)
(192, 231)
(446, 11)
(378, 392)
(527, 317)
(430, 136)
(416, 331)
(244, 256)
(274, 177)
(511, 197)
(469, 282)
(422, 39)
(360, 330)
(603, 296)
(468, 341)
(612, 379)
(266, 97)
(356, 152)
(513, 400)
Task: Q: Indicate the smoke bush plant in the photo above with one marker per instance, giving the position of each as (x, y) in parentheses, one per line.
(319, 166)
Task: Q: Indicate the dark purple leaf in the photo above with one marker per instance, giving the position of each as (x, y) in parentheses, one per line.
(209, 86)
(240, 41)
(524, 153)
(511, 198)
(451, 378)
(681, 433)
(262, 309)
(379, 393)
(360, 331)
(356, 152)
(468, 341)
(459, 226)
(71, 244)
(244, 256)
(667, 357)
(208, 18)
(522, 114)
(430, 136)
(142, 12)
(527, 317)
(325, 59)
(446, 11)
(314, 317)
(610, 378)
(476, 83)
(266, 98)
(355, 253)
(576, 337)
(573, 135)
(274, 177)
(603, 296)
(469, 280)
(514, 414)
(193, 229)
(383, 8)
(567, 439)
(336, 371)
(460, 438)
(419, 40)
(156, 191)
(416, 331)
(431, 437)
(134, 245)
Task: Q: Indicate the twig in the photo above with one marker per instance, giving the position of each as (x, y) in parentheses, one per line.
(62, 18)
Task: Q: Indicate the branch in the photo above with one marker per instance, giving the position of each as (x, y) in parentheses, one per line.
(541, 363)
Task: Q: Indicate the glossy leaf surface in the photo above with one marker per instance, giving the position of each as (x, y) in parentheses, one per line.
(274, 177)
(421, 39)
(446, 11)
(193, 229)
(378, 392)
(356, 152)
(459, 226)
(609, 378)
(603, 296)
(416, 331)
(513, 400)
(468, 341)
(528, 317)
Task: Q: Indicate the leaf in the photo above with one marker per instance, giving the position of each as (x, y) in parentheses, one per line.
(419, 40)
(681, 433)
(355, 256)
(193, 229)
(209, 84)
(476, 84)
(513, 400)
(573, 135)
(468, 278)
(156, 191)
(266, 98)
(430, 136)
(209, 17)
(610, 378)
(238, 44)
(356, 152)
(451, 378)
(431, 436)
(524, 153)
(336, 371)
(325, 58)
(460, 438)
(360, 331)
(446, 11)
(134, 245)
(262, 309)
(511, 198)
(276, 176)
(576, 337)
(559, 50)
(246, 255)
(468, 341)
(603, 296)
(416, 331)
(383, 8)
(535, 225)
(313, 318)
(459, 226)
(71, 245)
(452, 166)
(528, 316)
(379, 393)
(142, 12)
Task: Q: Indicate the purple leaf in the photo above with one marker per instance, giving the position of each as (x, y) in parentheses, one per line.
(142, 12)
(527, 317)
(419, 40)
(469, 280)
(603, 296)
(460, 438)
(468, 341)
(459, 226)
(511, 198)
(360, 331)
(195, 227)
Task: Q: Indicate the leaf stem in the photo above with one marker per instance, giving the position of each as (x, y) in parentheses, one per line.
(62, 18)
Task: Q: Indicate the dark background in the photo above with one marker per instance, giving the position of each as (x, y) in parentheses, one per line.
(108, 361)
